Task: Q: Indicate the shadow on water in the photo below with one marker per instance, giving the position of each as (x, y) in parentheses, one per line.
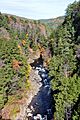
(37, 62)
(43, 102)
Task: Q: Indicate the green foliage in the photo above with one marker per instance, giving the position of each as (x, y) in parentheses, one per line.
(65, 67)
(69, 91)
(13, 69)
(44, 42)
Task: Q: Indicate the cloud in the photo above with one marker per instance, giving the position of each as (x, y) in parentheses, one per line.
(35, 9)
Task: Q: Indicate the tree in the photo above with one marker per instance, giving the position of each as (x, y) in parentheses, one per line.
(65, 67)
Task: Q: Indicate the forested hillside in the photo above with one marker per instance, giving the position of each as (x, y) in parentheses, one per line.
(53, 23)
(21, 40)
(65, 66)
(17, 37)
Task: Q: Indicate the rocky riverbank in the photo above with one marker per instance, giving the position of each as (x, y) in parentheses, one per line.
(39, 102)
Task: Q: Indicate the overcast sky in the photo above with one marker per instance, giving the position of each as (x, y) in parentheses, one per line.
(35, 9)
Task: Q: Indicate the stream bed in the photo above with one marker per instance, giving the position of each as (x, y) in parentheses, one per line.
(40, 107)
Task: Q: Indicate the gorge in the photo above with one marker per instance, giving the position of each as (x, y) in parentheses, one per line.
(40, 67)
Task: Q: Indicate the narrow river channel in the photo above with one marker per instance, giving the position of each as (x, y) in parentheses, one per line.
(40, 107)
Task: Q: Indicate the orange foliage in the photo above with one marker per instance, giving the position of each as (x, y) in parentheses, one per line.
(16, 64)
(42, 50)
(47, 61)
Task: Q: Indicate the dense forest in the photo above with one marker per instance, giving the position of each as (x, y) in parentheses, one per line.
(65, 65)
(19, 36)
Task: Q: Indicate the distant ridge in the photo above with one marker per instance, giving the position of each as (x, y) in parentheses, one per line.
(53, 22)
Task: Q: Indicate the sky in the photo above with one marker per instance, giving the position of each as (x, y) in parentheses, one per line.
(35, 9)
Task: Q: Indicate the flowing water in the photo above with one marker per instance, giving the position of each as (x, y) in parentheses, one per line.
(40, 107)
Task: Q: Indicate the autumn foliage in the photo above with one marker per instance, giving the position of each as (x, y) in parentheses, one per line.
(23, 42)
(16, 64)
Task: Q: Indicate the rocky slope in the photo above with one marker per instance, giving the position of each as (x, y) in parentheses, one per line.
(54, 22)
(39, 101)
(25, 42)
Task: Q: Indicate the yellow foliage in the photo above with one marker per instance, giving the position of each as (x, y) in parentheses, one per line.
(23, 42)
(28, 71)
(26, 35)
(19, 46)
(27, 86)
(27, 76)
(29, 68)
(20, 49)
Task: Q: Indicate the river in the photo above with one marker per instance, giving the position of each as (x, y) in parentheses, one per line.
(40, 107)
